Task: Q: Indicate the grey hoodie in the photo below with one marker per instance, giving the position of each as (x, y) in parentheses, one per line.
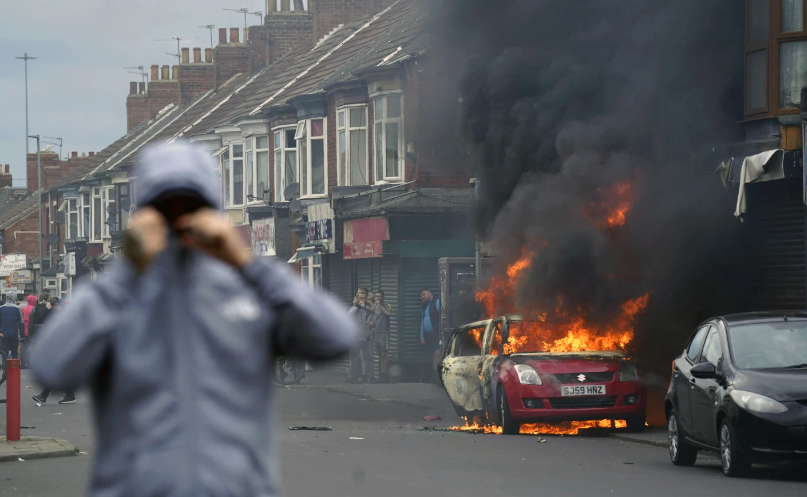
(11, 324)
(179, 359)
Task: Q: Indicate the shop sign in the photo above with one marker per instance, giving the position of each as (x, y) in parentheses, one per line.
(70, 270)
(363, 250)
(318, 230)
(263, 237)
(12, 262)
(22, 276)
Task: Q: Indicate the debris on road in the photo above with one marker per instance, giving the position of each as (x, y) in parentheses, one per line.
(541, 440)
(433, 417)
(310, 428)
(21, 459)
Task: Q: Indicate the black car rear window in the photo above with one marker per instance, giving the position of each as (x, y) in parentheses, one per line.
(769, 345)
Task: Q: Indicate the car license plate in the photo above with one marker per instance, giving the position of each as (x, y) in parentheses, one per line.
(569, 391)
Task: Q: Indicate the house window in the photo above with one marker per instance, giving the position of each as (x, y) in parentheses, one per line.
(84, 227)
(388, 113)
(285, 161)
(225, 174)
(72, 218)
(109, 196)
(310, 136)
(775, 56)
(352, 151)
(123, 211)
(311, 270)
(257, 149)
(238, 175)
(97, 215)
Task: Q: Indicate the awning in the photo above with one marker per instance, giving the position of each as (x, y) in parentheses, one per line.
(303, 253)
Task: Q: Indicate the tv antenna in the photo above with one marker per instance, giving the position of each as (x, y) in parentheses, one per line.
(178, 39)
(53, 143)
(140, 71)
(245, 11)
(210, 27)
(259, 14)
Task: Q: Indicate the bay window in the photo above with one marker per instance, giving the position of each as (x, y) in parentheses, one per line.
(238, 175)
(233, 174)
(775, 56)
(257, 150)
(352, 151)
(285, 161)
(124, 209)
(84, 227)
(225, 174)
(310, 136)
(97, 215)
(108, 210)
(72, 219)
(388, 114)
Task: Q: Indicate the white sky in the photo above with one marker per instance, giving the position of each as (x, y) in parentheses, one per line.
(77, 86)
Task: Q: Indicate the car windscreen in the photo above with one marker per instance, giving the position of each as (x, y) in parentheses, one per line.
(525, 337)
(769, 345)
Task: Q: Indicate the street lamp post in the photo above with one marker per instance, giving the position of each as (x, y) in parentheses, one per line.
(26, 58)
(39, 189)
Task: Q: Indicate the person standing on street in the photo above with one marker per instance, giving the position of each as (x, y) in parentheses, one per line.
(430, 331)
(361, 362)
(26, 317)
(178, 343)
(380, 324)
(53, 306)
(39, 314)
(12, 328)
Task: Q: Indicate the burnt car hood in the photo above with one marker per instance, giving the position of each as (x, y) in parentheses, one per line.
(571, 362)
(781, 384)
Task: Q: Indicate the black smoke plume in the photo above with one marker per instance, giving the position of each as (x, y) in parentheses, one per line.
(563, 100)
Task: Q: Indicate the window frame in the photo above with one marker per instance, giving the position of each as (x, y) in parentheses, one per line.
(343, 170)
(308, 267)
(96, 195)
(68, 221)
(304, 141)
(705, 329)
(384, 179)
(121, 220)
(251, 152)
(106, 201)
(773, 46)
(279, 170)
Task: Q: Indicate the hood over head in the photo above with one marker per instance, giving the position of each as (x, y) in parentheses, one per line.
(179, 168)
(31, 299)
(11, 297)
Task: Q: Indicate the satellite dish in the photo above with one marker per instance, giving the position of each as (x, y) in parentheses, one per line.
(60, 218)
(291, 192)
(52, 239)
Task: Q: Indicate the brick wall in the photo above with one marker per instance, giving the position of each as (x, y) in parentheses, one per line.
(287, 30)
(137, 110)
(6, 178)
(230, 59)
(53, 168)
(141, 107)
(195, 80)
(329, 14)
(258, 47)
(18, 238)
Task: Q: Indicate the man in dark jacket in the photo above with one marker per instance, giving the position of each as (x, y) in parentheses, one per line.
(178, 343)
(39, 314)
(52, 306)
(361, 313)
(430, 331)
(12, 327)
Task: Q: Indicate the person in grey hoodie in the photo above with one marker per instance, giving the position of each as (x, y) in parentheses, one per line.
(177, 343)
(12, 327)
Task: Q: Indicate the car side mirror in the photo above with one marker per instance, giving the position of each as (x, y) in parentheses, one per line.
(704, 371)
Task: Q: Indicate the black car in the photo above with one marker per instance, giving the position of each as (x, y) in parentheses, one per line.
(740, 388)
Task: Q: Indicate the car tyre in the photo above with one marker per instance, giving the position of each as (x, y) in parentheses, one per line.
(509, 426)
(734, 463)
(681, 453)
(636, 423)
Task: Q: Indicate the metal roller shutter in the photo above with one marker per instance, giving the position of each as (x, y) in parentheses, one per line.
(414, 275)
(776, 218)
(340, 283)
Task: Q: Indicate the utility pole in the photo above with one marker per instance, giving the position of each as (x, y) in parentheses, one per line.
(210, 27)
(39, 189)
(26, 58)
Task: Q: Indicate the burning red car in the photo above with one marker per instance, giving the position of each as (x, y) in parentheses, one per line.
(496, 369)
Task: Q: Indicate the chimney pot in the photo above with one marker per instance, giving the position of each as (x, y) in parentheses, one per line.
(185, 55)
(92, 153)
(222, 36)
(174, 72)
(234, 36)
(142, 87)
(74, 154)
(7, 171)
(133, 88)
(197, 55)
(165, 72)
(155, 72)
(208, 55)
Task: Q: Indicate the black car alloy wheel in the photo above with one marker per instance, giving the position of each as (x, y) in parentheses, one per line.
(733, 461)
(681, 454)
(509, 426)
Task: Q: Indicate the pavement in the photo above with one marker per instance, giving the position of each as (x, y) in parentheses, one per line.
(27, 448)
(378, 445)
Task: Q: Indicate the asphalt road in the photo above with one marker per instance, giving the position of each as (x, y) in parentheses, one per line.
(392, 456)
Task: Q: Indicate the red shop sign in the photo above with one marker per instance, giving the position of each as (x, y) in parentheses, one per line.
(363, 250)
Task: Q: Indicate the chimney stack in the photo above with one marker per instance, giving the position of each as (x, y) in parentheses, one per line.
(132, 87)
(142, 87)
(73, 155)
(234, 38)
(92, 153)
(165, 72)
(175, 72)
(155, 72)
(222, 36)
(184, 55)
(197, 55)
(208, 55)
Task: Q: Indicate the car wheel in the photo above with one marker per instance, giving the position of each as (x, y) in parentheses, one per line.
(681, 454)
(636, 423)
(509, 426)
(733, 461)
